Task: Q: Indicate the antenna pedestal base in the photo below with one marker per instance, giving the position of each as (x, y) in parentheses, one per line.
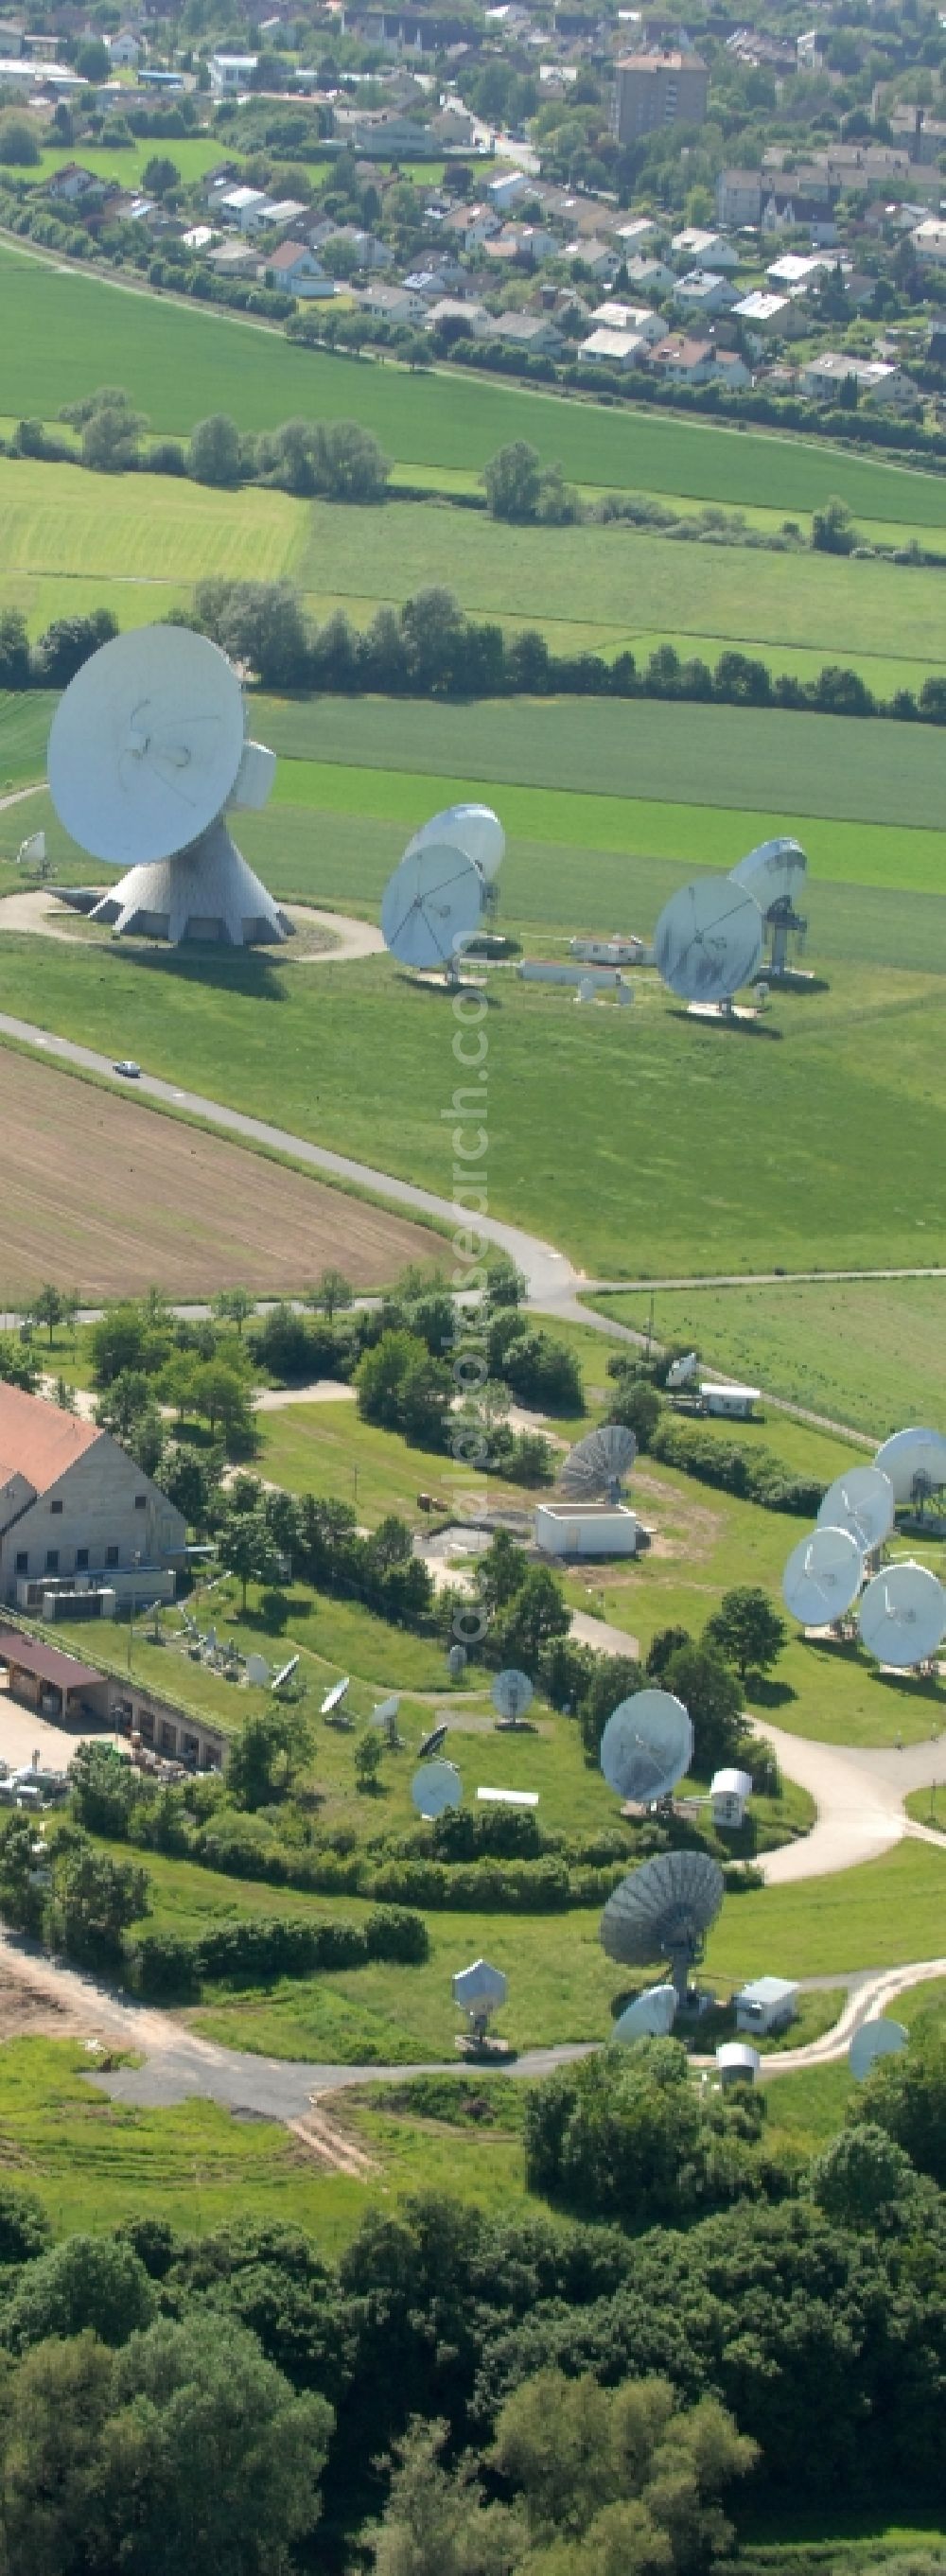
(206, 893)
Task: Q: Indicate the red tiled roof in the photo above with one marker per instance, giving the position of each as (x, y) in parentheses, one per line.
(38, 1440)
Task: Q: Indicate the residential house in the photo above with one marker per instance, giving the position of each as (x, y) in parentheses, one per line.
(452, 315)
(471, 226)
(393, 303)
(615, 315)
(73, 1506)
(923, 135)
(788, 207)
(794, 274)
(641, 233)
(875, 380)
(621, 349)
(236, 206)
(295, 267)
(929, 240)
(231, 74)
(73, 182)
(650, 276)
(201, 237)
(385, 133)
(739, 197)
(936, 344)
(697, 248)
(705, 293)
(682, 360)
(125, 50)
(601, 259)
(729, 369)
(520, 246)
(507, 186)
(453, 129)
(767, 317)
(532, 332)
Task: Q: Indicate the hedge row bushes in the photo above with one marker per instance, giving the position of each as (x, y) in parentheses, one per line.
(756, 1474)
(248, 1952)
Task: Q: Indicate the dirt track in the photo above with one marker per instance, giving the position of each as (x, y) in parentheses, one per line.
(103, 1195)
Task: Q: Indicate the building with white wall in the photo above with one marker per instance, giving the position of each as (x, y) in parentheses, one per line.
(74, 1506)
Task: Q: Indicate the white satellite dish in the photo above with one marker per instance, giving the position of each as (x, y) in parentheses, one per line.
(145, 752)
(860, 1501)
(435, 1787)
(257, 1671)
(909, 1455)
(650, 2016)
(708, 940)
(474, 829)
(823, 1576)
(772, 873)
(386, 1715)
(146, 744)
(646, 1747)
(874, 2039)
(511, 1693)
(903, 1614)
(334, 1697)
(431, 906)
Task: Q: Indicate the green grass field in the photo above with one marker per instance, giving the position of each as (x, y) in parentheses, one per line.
(59, 520)
(94, 2162)
(879, 1916)
(192, 155)
(633, 585)
(759, 761)
(616, 1192)
(869, 1352)
(180, 365)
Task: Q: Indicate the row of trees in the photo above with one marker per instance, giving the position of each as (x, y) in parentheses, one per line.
(337, 460)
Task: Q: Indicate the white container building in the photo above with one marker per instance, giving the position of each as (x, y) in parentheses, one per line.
(767, 2004)
(585, 1529)
(729, 1791)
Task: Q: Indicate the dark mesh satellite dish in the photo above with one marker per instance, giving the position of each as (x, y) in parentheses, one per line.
(598, 1465)
(663, 1911)
(647, 1746)
(708, 940)
(431, 1743)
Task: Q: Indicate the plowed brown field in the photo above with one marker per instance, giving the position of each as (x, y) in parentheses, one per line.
(102, 1195)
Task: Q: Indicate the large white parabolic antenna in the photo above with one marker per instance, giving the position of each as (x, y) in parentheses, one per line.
(647, 1745)
(145, 751)
(146, 745)
(772, 873)
(431, 906)
(474, 829)
(915, 1461)
(860, 1501)
(903, 1614)
(650, 2016)
(823, 1576)
(708, 940)
(875, 2039)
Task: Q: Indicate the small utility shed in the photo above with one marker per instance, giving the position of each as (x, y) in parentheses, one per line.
(41, 1677)
(735, 1403)
(768, 2004)
(728, 1793)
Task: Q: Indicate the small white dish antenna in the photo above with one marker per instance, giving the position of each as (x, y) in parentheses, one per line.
(386, 1715)
(650, 2016)
(599, 1463)
(772, 873)
(708, 940)
(474, 829)
(914, 1461)
(511, 1693)
(479, 1986)
(646, 1747)
(435, 1787)
(823, 1576)
(903, 1614)
(431, 906)
(587, 990)
(682, 1370)
(875, 2039)
(257, 1671)
(146, 744)
(432, 1742)
(285, 1674)
(860, 1501)
(32, 853)
(254, 779)
(334, 1697)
